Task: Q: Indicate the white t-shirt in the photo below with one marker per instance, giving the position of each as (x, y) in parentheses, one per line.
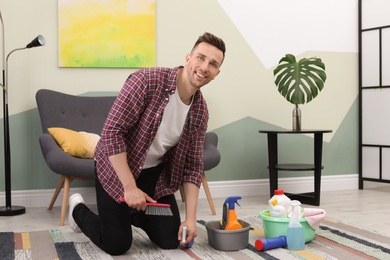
(169, 132)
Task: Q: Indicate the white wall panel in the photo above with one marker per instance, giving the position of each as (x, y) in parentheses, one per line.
(386, 164)
(375, 13)
(375, 116)
(370, 58)
(386, 57)
(370, 162)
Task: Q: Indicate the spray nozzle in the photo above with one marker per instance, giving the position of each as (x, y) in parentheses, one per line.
(232, 200)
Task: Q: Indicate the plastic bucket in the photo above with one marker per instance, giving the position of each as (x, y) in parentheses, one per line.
(227, 240)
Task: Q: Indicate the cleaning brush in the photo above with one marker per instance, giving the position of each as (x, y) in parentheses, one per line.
(159, 209)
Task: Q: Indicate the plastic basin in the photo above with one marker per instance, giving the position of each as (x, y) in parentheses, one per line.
(274, 227)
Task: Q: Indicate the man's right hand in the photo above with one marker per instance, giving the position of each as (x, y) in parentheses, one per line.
(136, 199)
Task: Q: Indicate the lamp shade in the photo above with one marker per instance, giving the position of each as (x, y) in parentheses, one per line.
(38, 41)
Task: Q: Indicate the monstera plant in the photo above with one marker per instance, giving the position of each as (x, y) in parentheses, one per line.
(299, 82)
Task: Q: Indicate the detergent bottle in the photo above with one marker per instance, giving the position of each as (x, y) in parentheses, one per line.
(279, 204)
(263, 244)
(229, 215)
(295, 233)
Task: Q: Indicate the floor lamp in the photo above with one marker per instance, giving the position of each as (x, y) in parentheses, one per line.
(9, 209)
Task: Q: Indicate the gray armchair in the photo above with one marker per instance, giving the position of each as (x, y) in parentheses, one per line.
(79, 113)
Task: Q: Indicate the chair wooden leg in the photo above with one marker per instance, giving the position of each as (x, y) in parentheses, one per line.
(57, 191)
(208, 194)
(182, 194)
(65, 199)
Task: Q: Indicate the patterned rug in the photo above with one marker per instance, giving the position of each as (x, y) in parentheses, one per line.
(334, 240)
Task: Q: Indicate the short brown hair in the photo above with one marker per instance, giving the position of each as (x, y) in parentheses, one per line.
(213, 40)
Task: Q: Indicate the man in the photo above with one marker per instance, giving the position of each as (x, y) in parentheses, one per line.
(151, 143)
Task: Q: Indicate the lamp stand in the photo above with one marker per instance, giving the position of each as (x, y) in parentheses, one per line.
(8, 209)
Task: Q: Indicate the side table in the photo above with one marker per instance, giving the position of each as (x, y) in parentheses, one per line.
(312, 198)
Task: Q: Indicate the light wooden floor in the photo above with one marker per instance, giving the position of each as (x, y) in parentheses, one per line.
(368, 208)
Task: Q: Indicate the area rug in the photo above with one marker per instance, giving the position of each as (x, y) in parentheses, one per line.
(334, 240)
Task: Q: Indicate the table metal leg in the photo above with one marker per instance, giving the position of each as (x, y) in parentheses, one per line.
(273, 161)
(317, 167)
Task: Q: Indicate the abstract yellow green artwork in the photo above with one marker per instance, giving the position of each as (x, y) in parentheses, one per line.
(106, 33)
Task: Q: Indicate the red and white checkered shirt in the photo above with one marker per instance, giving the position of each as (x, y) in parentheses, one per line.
(132, 124)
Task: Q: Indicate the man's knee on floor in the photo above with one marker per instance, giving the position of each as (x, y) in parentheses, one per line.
(117, 248)
(168, 244)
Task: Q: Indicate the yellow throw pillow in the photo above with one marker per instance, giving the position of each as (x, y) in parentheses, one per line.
(78, 144)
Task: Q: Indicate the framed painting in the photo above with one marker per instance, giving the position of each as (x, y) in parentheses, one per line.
(106, 33)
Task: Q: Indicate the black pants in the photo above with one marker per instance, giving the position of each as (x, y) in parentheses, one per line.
(111, 230)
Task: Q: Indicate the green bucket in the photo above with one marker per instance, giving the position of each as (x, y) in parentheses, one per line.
(274, 227)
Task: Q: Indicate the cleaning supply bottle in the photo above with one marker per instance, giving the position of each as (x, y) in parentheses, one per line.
(279, 204)
(295, 233)
(229, 215)
(263, 244)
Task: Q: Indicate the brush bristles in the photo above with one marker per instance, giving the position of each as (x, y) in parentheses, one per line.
(158, 210)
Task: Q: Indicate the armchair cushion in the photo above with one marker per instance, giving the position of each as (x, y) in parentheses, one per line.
(79, 144)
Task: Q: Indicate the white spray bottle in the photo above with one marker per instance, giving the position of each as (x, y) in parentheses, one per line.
(295, 233)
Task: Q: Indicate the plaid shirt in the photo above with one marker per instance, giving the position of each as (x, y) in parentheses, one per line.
(132, 124)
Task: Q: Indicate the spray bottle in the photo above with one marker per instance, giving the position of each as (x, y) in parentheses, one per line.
(229, 216)
(295, 233)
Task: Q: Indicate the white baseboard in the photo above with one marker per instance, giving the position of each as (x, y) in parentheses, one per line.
(42, 198)
(219, 189)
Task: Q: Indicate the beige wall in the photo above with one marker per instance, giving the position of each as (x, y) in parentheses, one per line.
(241, 100)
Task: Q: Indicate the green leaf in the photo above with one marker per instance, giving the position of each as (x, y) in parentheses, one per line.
(299, 82)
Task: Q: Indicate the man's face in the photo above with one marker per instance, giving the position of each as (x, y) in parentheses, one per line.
(202, 65)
